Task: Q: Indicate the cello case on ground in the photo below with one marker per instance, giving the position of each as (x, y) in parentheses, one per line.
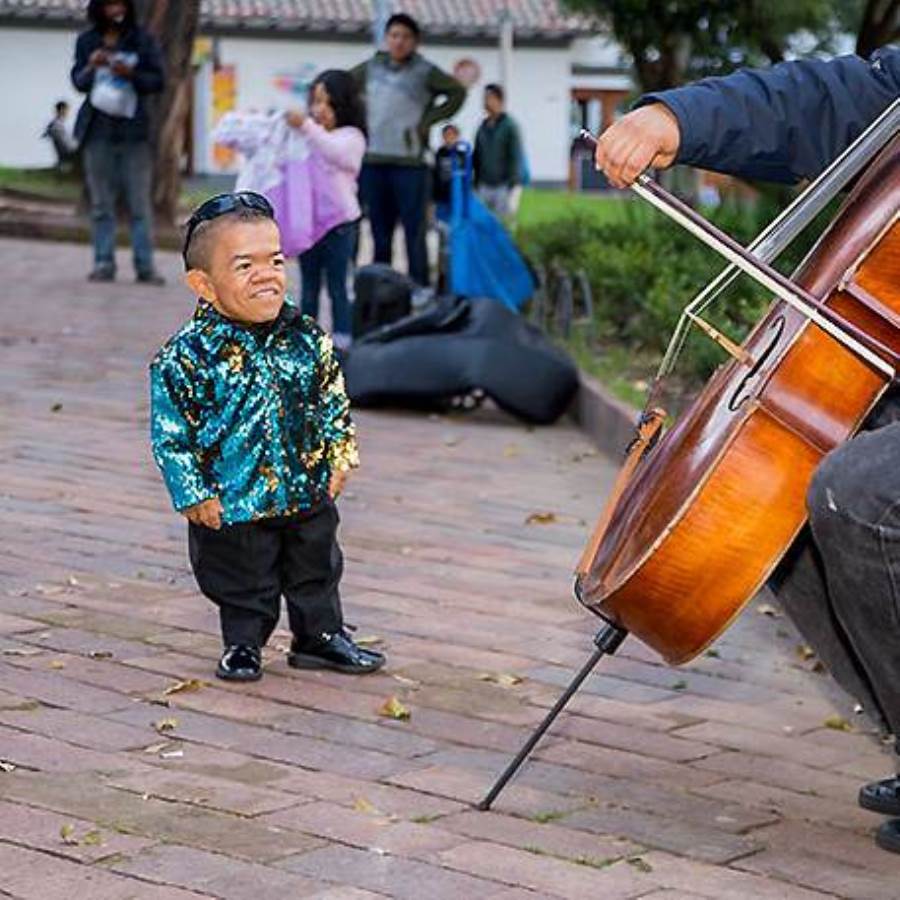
(428, 358)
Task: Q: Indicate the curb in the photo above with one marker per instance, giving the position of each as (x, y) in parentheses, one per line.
(608, 421)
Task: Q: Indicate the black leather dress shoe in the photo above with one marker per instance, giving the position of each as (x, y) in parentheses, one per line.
(102, 273)
(334, 651)
(882, 796)
(888, 836)
(240, 662)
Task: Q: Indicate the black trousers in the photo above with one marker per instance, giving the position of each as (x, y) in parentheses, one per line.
(840, 582)
(246, 568)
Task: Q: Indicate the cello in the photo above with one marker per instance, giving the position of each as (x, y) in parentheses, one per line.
(702, 513)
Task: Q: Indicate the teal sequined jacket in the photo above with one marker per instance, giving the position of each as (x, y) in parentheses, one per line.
(254, 415)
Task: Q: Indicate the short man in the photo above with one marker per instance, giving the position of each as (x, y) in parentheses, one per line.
(57, 132)
(839, 582)
(497, 158)
(405, 96)
(117, 64)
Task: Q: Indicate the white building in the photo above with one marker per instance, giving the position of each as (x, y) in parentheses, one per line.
(261, 54)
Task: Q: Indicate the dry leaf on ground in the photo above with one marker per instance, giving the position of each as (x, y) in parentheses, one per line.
(67, 833)
(92, 839)
(184, 687)
(57, 664)
(369, 640)
(837, 723)
(392, 708)
(804, 651)
(504, 679)
(156, 748)
(166, 725)
(101, 654)
(542, 518)
(360, 804)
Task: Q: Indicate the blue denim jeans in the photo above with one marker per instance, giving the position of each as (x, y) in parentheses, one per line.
(840, 582)
(330, 256)
(392, 193)
(112, 168)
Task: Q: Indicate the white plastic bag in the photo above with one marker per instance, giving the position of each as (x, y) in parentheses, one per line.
(111, 93)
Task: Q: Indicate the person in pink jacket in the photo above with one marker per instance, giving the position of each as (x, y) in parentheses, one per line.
(335, 130)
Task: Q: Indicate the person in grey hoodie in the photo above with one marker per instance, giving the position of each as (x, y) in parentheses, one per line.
(405, 96)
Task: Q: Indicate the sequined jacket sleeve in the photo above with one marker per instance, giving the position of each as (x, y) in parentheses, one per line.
(337, 425)
(173, 427)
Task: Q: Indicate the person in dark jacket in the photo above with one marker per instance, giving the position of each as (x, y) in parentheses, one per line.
(117, 64)
(497, 157)
(405, 95)
(839, 581)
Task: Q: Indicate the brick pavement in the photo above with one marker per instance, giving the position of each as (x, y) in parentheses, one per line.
(721, 780)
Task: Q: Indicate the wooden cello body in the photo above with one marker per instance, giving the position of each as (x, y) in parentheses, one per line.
(713, 506)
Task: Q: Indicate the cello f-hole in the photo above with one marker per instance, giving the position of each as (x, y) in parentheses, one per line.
(742, 393)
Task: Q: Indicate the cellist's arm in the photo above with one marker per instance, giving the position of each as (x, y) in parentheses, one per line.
(779, 124)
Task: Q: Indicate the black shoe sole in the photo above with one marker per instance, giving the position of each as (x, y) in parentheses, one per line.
(304, 661)
(234, 676)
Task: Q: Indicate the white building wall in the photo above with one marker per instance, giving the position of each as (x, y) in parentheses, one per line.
(35, 64)
(538, 97)
(34, 72)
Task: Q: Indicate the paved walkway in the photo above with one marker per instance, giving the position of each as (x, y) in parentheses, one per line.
(130, 772)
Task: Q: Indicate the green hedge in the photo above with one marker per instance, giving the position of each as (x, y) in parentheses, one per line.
(643, 269)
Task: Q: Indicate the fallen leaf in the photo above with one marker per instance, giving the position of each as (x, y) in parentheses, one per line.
(712, 653)
(101, 654)
(183, 687)
(67, 833)
(56, 407)
(369, 640)
(804, 651)
(72, 581)
(92, 839)
(360, 804)
(766, 609)
(166, 725)
(392, 708)
(7, 766)
(156, 748)
(57, 664)
(639, 863)
(504, 679)
(818, 667)
(511, 451)
(837, 723)
(679, 686)
(541, 518)
(21, 651)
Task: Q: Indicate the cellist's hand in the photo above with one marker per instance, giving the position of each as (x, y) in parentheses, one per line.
(647, 137)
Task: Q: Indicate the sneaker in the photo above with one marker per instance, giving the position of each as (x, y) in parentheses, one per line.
(102, 273)
(240, 662)
(335, 651)
(888, 836)
(151, 277)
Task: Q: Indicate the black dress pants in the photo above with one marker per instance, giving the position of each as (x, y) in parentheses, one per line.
(246, 568)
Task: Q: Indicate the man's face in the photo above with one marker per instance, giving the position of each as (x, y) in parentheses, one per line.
(115, 12)
(492, 103)
(401, 43)
(245, 278)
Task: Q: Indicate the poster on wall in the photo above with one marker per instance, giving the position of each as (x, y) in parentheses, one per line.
(224, 99)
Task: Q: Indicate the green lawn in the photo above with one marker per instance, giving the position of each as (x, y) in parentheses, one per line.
(540, 205)
(46, 184)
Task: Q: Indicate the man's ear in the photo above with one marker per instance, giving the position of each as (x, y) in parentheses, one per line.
(200, 284)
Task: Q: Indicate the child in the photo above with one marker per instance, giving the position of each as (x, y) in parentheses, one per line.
(251, 429)
(335, 130)
(448, 154)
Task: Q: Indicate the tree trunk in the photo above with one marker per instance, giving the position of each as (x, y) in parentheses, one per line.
(880, 25)
(174, 24)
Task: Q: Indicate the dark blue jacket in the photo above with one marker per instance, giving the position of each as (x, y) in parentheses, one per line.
(785, 123)
(147, 79)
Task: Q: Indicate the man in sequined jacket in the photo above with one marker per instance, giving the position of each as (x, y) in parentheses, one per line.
(251, 429)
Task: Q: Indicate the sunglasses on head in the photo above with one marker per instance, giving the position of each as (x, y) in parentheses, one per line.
(221, 205)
